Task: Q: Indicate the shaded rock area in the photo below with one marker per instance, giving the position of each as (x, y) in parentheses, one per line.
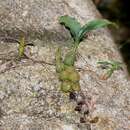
(30, 97)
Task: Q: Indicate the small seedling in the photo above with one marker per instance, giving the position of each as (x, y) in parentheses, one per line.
(111, 66)
(78, 32)
(65, 68)
(21, 47)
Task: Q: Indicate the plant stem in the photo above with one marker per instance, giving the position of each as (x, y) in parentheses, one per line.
(59, 62)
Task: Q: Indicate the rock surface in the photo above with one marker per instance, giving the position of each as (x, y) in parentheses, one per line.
(30, 98)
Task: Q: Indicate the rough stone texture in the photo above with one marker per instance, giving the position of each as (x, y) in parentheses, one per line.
(29, 94)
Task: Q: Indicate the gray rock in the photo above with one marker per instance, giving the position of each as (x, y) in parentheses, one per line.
(30, 98)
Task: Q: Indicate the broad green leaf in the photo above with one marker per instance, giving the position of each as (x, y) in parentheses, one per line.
(92, 25)
(72, 24)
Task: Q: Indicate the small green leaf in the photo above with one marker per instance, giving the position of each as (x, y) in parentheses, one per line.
(72, 24)
(115, 64)
(105, 63)
(92, 25)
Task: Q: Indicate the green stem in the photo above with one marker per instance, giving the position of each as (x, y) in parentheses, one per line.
(21, 47)
(71, 56)
(59, 62)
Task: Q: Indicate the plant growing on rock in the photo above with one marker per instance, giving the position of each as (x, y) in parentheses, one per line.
(21, 47)
(68, 74)
(110, 66)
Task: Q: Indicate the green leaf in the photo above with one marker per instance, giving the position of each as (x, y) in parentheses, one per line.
(114, 64)
(92, 25)
(105, 63)
(72, 24)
